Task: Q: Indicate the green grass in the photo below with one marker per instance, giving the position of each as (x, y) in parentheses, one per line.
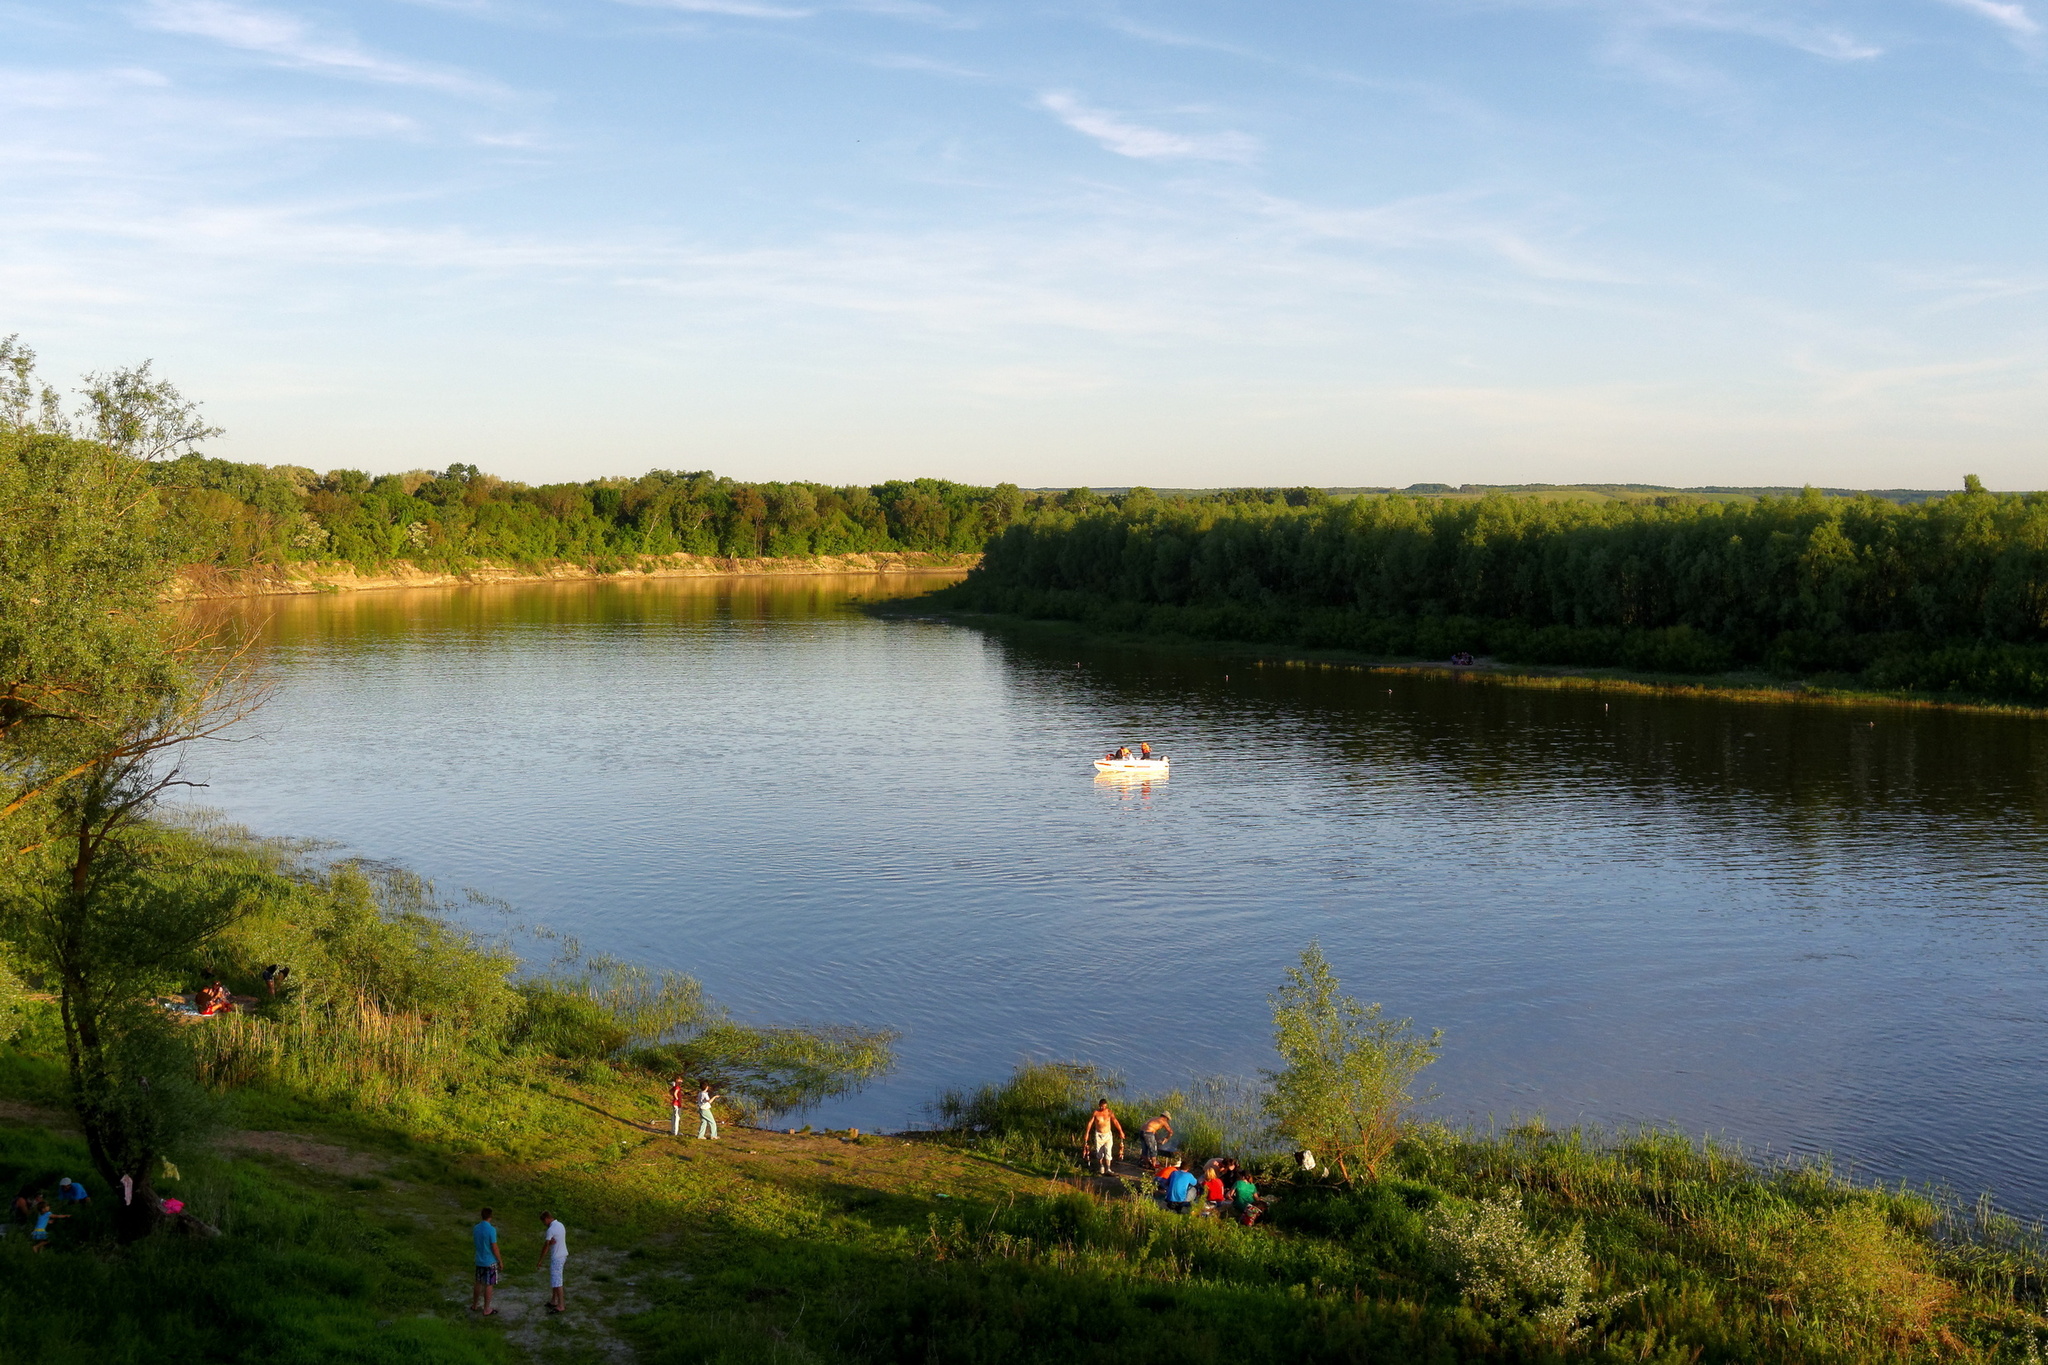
(302, 1272)
(777, 1248)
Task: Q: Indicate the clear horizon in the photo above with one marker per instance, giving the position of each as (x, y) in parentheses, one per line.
(1673, 242)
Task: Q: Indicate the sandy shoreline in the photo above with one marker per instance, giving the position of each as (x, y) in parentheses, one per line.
(200, 583)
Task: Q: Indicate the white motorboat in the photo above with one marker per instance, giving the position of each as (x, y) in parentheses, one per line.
(1145, 767)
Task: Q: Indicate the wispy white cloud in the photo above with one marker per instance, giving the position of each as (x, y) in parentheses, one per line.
(289, 41)
(1148, 33)
(1956, 289)
(914, 10)
(1125, 138)
(905, 61)
(2010, 16)
(1462, 221)
(152, 115)
(732, 9)
(1778, 25)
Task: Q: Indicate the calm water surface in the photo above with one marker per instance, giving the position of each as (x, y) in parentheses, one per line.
(1778, 924)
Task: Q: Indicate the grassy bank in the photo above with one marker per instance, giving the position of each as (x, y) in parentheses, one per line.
(1739, 686)
(343, 1238)
(413, 1074)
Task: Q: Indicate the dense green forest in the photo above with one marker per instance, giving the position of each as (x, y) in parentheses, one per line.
(246, 515)
(1946, 595)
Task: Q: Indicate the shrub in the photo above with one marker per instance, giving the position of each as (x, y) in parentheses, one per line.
(1851, 1264)
(564, 1023)
(1509, 1269)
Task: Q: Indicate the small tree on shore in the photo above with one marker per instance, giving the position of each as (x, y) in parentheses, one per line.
(98, 687)
(1348, 1081)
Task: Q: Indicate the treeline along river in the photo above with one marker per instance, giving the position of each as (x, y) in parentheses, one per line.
(1803, 927)
(1949, 595)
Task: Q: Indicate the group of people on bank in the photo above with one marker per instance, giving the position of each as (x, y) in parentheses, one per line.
(707, 1121)
(215, 998)
(34, 1210)
(1223, 1189)
(490, 1262)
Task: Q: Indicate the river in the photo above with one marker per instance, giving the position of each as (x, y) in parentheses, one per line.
(1802, 928)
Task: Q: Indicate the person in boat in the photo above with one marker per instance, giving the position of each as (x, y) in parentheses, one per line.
(1145, 751)
(1124, 752)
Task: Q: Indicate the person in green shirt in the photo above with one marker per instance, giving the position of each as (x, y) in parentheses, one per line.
(1244, 1200)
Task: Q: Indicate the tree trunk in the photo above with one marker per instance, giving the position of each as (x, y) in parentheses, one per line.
(136, 1220)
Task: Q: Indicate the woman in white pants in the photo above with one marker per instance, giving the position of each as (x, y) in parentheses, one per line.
(707, 1122)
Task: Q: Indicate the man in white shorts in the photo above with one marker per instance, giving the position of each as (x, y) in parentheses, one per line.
(554, 1254)
(1096, 1139)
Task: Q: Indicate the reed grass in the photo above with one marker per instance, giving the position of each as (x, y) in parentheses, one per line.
(351, 1050)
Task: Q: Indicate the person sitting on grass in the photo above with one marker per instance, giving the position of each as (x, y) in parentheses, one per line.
(69, 1191)
(1213, 1193)
(489, 1265)
(215, 999)
(1244, 1200)
(1180, 1188)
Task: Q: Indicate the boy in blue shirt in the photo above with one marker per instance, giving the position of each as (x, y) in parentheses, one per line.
(484, 1236)
(1178, 1188)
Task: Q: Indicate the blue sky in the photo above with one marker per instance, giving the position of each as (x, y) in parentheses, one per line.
(1674, 241)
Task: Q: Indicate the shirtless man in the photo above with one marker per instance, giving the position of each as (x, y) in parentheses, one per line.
(1096, 1137)
(1158, 1132)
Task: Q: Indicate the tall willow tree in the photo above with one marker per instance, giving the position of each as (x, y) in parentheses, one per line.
(98, 687)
